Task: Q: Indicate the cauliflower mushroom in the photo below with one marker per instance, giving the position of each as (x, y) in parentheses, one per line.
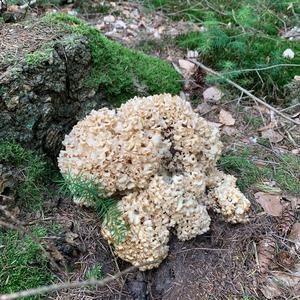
(159, 157)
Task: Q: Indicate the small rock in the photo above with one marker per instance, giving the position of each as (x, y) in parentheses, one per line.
(192, 54)
(13, 9)
(109, 19)
(72, 13)
(100, 26)
(120, 24)
(212, 94)
(133, 26)
(297, 78)
(156, 34)
(288, 53)
(187, 67)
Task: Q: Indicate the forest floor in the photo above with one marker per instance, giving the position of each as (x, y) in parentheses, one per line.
(257, 260)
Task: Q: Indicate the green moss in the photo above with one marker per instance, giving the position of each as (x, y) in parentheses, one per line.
(37, 57)
(242, 167)
(22, 265)
(33, 171)
(121, 72)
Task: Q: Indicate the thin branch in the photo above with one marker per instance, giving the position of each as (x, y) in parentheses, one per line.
(261, 69)
(278, 112)
(35, 239)
(70, 285)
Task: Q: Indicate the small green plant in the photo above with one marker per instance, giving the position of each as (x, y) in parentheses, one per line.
(94, 273)
(33, 169)
(91, 192)
(22, 265)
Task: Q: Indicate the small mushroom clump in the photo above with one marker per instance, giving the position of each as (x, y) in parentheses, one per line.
(159, 157)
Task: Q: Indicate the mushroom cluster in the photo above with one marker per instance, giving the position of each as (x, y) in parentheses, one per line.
(159, 157)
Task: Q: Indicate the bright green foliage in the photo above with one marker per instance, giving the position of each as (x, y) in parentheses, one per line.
(33, 170)
(120, 72)
(94, 273)
(241, 166)
(92, 193)
(242, 34)
(22, 265)
(283, 169)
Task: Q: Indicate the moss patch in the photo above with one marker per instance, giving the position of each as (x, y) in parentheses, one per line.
(22, 265)
(120, 72)
(32, 169)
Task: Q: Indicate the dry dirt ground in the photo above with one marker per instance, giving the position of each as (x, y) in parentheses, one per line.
(251, 261)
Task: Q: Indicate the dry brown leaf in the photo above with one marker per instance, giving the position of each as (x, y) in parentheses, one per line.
(270, 289)
(212, 94)
(278, 282)
(187, 67)
(272, 135)
(229, 130)
(262, 109)
(226, 118)
(217, 125)
(270, 203)
(203, 108)
(271, 125)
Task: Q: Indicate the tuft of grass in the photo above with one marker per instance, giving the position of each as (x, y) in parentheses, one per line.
(95, 272)
(286, 172)
(33, 170)
(90, 191)
(120, 72)
(253, 121)
(22, 265)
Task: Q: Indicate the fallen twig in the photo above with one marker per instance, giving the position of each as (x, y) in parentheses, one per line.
(278, 112)
(69, 285)
(262, 69)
